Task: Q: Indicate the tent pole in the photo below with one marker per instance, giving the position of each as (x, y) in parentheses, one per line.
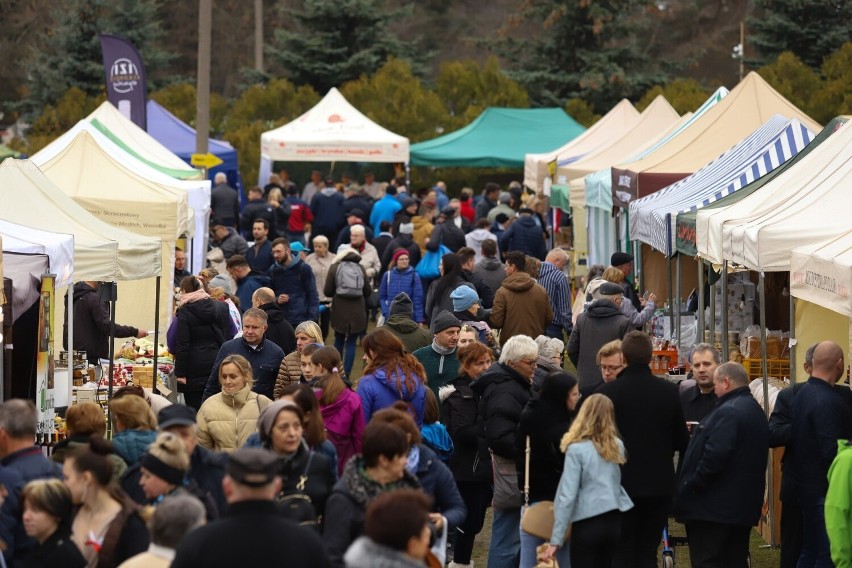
(677, 303)
(724, 314)
(770, 481)
(712, 326)
(701, 336)
(618, 230)
(331, 170)
(408, 174)
(69, 307)
(792, 339)
(671, 301)
(156, 332)
(109, 292)
(638, 268)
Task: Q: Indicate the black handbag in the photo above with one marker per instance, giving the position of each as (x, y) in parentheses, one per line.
(297, 505)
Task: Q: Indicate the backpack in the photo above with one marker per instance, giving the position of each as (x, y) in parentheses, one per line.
(349, 280)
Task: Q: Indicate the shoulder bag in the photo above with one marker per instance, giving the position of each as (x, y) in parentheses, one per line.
(297, 505)
(538, 518)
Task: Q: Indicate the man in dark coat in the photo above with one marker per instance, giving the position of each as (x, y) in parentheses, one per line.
(247, 279)
(326, 207)
(294, 284)
(488, 201)
(180, 267)
(278, 331)
(92, 324)
(382, 240)
(723, 475)
(698, 400)
(263, 355)
(252, 530)
(354, 217)
(358, 200)
(467, 259)
(258, 208)
(649, 417)
(446, 232)
(259, 256)
(524, 235)
(599, 324)
(820, 417)
(224, 201)
(624, 262)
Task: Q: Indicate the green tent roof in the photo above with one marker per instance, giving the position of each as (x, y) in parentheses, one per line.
(686, 222)
(499, 138)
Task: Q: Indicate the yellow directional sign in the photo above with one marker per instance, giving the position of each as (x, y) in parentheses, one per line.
(205, 160)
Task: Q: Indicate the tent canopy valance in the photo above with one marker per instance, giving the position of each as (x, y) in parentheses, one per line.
(499, 138)
(333, 130)
(822, 273)
(58, 247)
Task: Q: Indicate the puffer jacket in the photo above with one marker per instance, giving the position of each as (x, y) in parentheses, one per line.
(503, 395)
(601, 323)
(438, 483)
(413, 336)
(521, 307)
(201, 329)
(524, 235)
(344, 426)
(298, 282)
(364, 553)
(378, 391)
(289, 372)
(347, 504)
(226, 421)
(470, 460)
(422, 231)
(320, 266)
(447, 234)
(395, 281)
(131, 444)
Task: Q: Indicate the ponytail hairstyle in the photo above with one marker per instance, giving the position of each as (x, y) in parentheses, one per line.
(190, 284)
(330, 383)
(94, 457)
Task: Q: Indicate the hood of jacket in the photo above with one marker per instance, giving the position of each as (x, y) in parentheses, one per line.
(273, 312)
(480, 235)
(402, 323)
(496, 374)
(490, 264)
(204, 310)
(526, 221)
(364, 552)
(519, 282)
(294, 263)
(328, 191)
(602, 309)
(81, 289)
(404, 240)
(419, 221)
(363, 489)
(348, 254)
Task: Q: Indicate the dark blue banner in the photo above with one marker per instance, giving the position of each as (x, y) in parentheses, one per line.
(125, 78)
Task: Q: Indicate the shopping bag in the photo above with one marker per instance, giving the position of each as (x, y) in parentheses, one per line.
(429, 266)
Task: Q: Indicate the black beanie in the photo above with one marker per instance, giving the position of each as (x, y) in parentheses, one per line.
(444, 320)
(402, 305)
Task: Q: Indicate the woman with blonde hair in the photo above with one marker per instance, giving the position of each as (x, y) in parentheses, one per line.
(590, 497)
(135, 427)
(290, 370)
(227, 419)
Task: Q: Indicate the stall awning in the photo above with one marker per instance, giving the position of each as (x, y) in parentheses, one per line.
(58, 247)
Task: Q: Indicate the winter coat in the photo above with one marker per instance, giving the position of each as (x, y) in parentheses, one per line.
(475, 238)
(601, 323)
(438, 483)
(258, 209)
(260, 257)
(313, 465)
(838, 506)
(395, 281)
(347, 505)
(723, 474)
(434, 304)
(402, 241)
(232, 244)
(265, 361)
(383, 210)
(640, 317)
(247, 286)
(545, 422)
(467, 211)
(348, 315)
(422, 231)
(650, 420)
(503, 394)
(224, 203)
(524, 235)
(485, 293)
(202, 327)
(92, 324)
(360, 201)
(440, 369)
(320, 266)
(279, 331)
(58, 550)
(447, 234)
(225, 421)
(297, 281)
(326, 207)
(413, 336)
(378, 391)
(369, 258)
(484, 206)
(344, 425)
(492, 271)
(300, 214)
(364, 553)
(435, 436)
(250, 533)
(470, 460)
(289, 372)
(131, 444)
(521, 307)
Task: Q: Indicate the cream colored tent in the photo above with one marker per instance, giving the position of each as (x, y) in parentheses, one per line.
(821, 273)
(620, 119)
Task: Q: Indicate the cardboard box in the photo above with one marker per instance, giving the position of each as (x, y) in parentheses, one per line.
(143, 375)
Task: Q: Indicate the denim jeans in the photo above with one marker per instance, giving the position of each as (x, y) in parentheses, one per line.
(528, 545)
(816, 552)
(505, 539)
(348, 354)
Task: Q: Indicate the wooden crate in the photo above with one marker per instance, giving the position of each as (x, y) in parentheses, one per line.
(777, 368)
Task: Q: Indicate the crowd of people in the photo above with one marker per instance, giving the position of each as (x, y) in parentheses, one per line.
(279, 449)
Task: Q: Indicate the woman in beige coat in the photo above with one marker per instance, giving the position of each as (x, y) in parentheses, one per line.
(227, 419)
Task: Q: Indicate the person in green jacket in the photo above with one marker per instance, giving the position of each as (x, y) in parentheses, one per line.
(401, 324)
(838, 506)
(440, 358)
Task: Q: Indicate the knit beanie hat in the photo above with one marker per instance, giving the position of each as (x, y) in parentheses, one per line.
(464, 297)
(267, 417)
(399, 253)
(406, 228)
(402, 305)
(444, 320)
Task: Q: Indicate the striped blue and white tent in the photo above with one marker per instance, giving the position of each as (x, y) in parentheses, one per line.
(653, 218)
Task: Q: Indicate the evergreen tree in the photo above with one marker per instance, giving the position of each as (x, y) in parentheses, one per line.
(582, 49)
(334, 41)
(811, 29)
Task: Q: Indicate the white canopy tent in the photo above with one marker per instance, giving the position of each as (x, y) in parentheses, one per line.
(822, 273)
(333, 130)
(58, 247)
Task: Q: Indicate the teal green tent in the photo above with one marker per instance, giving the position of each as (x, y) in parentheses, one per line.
(499, 138)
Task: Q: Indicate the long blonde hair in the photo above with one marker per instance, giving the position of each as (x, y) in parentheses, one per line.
(596, 422)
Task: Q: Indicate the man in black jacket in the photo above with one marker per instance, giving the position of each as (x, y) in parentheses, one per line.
(446, 233)
(722, 476)
(650, 419)
(92, 324)
(278, 330)
(263, 355)
(252, 531)
(258, 208)
(467, 259)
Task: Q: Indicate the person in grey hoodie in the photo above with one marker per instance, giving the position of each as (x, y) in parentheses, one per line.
(492, 271)
(476, 237)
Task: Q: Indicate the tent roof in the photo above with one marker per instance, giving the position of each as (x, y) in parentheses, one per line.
(179, 137)
(749, 105)
(499, 138)
(333, 130)
(653, 218)
(138, 143)
(6, 152)
(113, 185)
(686, 220)
(621, 118)
(805, 203)
(58, 247)
(822, 273)
(101, 251)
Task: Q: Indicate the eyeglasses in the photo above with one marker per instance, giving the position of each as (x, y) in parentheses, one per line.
(610, 368)
(532, 362)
